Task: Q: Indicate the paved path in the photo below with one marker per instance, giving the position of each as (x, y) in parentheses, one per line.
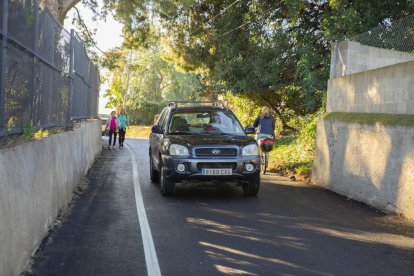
(288, 229)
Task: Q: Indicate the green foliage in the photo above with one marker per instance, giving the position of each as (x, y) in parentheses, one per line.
(28, 131)
(276, 49)
(243, 107)
(304, 169)
(295, 152)
(348, 18)
(144, 113)
(152, 83)
(274, 52)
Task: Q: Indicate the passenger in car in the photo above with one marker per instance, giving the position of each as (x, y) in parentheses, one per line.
(179, 124)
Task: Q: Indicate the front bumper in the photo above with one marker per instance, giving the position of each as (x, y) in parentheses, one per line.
(193, 168)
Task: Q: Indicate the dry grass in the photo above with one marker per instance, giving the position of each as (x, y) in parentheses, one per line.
(138, 132)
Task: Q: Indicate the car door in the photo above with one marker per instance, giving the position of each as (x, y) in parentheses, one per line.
(156, 139)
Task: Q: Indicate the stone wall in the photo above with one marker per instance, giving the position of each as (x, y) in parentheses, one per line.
(37, 179)
(349, 57)
(383, 90)
(370, 163)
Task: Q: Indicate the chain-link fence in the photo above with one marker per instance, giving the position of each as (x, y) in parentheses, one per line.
(395, 35)
(46, 77)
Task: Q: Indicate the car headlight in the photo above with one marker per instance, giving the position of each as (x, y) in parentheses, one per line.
(250, 150)
(178, 150)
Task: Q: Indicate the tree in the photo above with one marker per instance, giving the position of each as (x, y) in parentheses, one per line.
(275, 52)
(59, 9)
(153, 82)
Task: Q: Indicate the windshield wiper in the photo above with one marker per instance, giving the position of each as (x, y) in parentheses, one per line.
(181, 133)
(216, 133)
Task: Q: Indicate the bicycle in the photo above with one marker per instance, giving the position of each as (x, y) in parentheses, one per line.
(266, 145)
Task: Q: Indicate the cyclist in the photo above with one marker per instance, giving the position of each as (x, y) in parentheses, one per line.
(265, 133)
(264, 124)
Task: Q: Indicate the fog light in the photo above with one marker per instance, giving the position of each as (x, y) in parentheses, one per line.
(249, 167)
(181, 167)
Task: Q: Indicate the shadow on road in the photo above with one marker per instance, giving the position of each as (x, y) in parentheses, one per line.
(289, 228)
(293, 228)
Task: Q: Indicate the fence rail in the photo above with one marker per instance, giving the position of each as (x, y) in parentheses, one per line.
(46, 77)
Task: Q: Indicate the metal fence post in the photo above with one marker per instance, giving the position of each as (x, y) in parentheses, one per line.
(3, 69)
(71, 68)
(35, 68)
(97, 90)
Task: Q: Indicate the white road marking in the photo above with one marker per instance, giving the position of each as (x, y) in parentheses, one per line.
(151, 260)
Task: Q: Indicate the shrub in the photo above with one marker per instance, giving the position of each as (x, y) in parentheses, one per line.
(28, 131)
(294, 153)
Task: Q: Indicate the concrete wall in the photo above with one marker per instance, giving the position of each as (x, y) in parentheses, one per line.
(37, 179)
(384, 90)
(349, 57)
(370, 163)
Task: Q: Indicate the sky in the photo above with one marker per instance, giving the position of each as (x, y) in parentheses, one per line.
(108, 36)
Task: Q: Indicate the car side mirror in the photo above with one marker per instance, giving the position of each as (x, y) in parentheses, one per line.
(250, 130)
(157, 129)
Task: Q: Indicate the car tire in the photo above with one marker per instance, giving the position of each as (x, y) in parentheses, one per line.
(251, 188)
(167, 185)
(154, 175)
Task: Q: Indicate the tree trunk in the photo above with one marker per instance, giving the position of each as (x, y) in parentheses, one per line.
(59, 8)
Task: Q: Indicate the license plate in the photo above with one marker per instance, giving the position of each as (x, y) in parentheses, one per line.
(216, 172)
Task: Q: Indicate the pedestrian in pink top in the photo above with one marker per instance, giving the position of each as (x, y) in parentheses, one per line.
(113, 124)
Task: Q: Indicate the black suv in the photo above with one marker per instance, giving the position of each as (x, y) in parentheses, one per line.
(202, 141)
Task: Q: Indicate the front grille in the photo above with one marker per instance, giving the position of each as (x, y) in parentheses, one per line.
(202, 152)
(223, 165)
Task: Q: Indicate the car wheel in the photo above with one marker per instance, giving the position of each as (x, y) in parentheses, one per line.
(251, 188)
(167, 186)
(154, 175)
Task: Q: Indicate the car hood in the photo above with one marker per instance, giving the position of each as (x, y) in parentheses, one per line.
(206, 140)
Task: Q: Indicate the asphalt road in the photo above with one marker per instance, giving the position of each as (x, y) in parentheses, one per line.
(288, 229)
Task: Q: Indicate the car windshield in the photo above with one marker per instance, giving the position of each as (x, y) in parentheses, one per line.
(213, 122)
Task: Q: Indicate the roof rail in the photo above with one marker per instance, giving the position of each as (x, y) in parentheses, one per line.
(175, 104)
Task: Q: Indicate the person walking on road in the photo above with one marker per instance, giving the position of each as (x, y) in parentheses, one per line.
(113, 124)
(264, 124)
(123, 118)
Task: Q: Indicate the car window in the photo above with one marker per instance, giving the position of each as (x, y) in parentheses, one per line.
(161, 117)
(165, 120)
(205, 122)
